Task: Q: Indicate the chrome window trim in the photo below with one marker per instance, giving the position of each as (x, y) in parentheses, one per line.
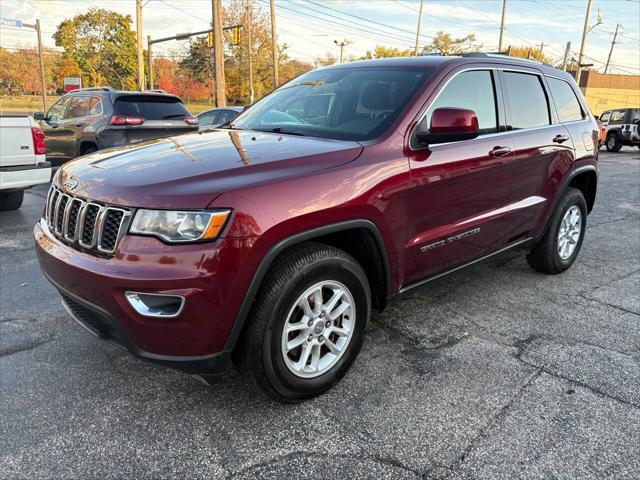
(504, 68)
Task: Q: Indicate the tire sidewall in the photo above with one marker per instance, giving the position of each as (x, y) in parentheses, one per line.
(573, 199)
(281, 378)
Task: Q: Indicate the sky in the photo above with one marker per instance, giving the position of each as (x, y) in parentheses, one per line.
(310, 27)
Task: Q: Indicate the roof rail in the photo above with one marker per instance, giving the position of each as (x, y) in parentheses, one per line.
(499, 54)
(94, 89)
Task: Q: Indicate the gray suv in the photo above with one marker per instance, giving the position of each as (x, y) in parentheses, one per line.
(91, 119)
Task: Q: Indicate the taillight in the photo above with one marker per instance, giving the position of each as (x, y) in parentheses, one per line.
(39, 145)
(124, 120)
(191, 120)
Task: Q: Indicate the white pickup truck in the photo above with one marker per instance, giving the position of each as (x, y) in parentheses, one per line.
(22, 159)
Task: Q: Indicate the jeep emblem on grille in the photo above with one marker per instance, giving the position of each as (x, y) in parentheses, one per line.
(70, 183)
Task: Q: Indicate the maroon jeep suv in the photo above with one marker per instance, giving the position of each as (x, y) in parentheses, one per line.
(269, 241)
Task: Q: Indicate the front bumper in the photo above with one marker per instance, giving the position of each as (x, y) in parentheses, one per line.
(209, 275)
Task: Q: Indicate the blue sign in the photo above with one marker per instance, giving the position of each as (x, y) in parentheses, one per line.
(10, 22)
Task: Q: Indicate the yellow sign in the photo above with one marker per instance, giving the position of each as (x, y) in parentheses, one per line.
(210, 39)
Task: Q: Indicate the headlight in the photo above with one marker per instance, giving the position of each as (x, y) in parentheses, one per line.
(179, 226)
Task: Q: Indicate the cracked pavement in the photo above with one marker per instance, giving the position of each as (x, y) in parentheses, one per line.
(493, 372)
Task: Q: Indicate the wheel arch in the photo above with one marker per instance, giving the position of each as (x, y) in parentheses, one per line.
(587, 182)
(342, 235)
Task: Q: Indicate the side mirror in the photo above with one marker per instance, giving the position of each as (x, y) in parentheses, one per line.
(450, 125)
(39, 116)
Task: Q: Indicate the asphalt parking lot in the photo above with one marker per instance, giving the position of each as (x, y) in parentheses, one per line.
(494, 372)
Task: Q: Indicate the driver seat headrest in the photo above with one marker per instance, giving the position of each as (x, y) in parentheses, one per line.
(377, 96)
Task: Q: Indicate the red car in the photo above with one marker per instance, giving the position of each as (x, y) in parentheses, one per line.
(269, 241)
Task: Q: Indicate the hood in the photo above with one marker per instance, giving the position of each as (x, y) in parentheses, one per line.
(189, 171)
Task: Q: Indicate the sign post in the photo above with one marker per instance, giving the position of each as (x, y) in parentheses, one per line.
(12, 22)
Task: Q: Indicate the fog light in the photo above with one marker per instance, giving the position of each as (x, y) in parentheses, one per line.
(155, 305)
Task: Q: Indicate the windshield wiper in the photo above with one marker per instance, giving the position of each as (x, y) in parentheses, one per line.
(280, 130)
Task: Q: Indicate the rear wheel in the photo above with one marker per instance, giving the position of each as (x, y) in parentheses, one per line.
(306, 327)
(612, 144)
(11, 200)
(559, 247)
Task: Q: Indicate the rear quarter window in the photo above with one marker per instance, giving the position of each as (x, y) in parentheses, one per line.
(150, 107)
(567, 103)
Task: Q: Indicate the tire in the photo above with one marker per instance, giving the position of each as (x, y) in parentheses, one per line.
(612, 143)
(11, 200)
(262, 353)
(546, 255)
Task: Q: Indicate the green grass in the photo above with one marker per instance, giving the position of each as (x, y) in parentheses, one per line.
(33, 103)
(24, 103)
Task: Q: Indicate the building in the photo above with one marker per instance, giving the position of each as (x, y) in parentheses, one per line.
(608, 91)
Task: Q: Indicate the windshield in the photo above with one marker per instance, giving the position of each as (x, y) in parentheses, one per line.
(357, 103)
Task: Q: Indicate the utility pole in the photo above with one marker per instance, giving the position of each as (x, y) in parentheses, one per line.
(274, 43)
(150, 62)
(218, 53)
(613, 42)
(583, 43)
(504, 11)
(342, 44)
(541, 47)
(249, 48)
(418, 28)
(139, 46)
(566, 56)
(43, 83)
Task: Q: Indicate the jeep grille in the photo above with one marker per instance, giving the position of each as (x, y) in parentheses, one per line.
(90, 225)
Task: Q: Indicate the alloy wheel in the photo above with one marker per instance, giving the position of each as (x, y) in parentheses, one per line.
(569, 233)
(318, 329)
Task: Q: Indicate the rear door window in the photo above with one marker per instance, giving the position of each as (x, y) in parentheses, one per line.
(617, 117)
(79, 107)
(472, 90)
(151, 107)
(526, 101)
(95, 107)
(567, 103)
(604, 118)
(207, 118)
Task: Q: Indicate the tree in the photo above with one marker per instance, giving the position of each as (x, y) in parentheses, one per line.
(103, 45)
(380, 51)
(445, 44)
(66, 67)
(197, 61)
(529, 52)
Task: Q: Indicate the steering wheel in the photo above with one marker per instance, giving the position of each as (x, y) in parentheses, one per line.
(382, 114)
(277, 116)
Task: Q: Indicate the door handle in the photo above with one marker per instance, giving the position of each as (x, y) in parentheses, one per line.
(80, 124)
(499, 151)
(560, 138)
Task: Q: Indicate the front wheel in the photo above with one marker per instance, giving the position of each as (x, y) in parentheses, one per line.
(559, 247)
(306, 327)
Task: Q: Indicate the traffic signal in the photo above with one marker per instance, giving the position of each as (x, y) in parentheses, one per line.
(236, 36)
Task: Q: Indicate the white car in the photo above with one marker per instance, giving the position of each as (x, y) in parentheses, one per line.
(22, 159)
